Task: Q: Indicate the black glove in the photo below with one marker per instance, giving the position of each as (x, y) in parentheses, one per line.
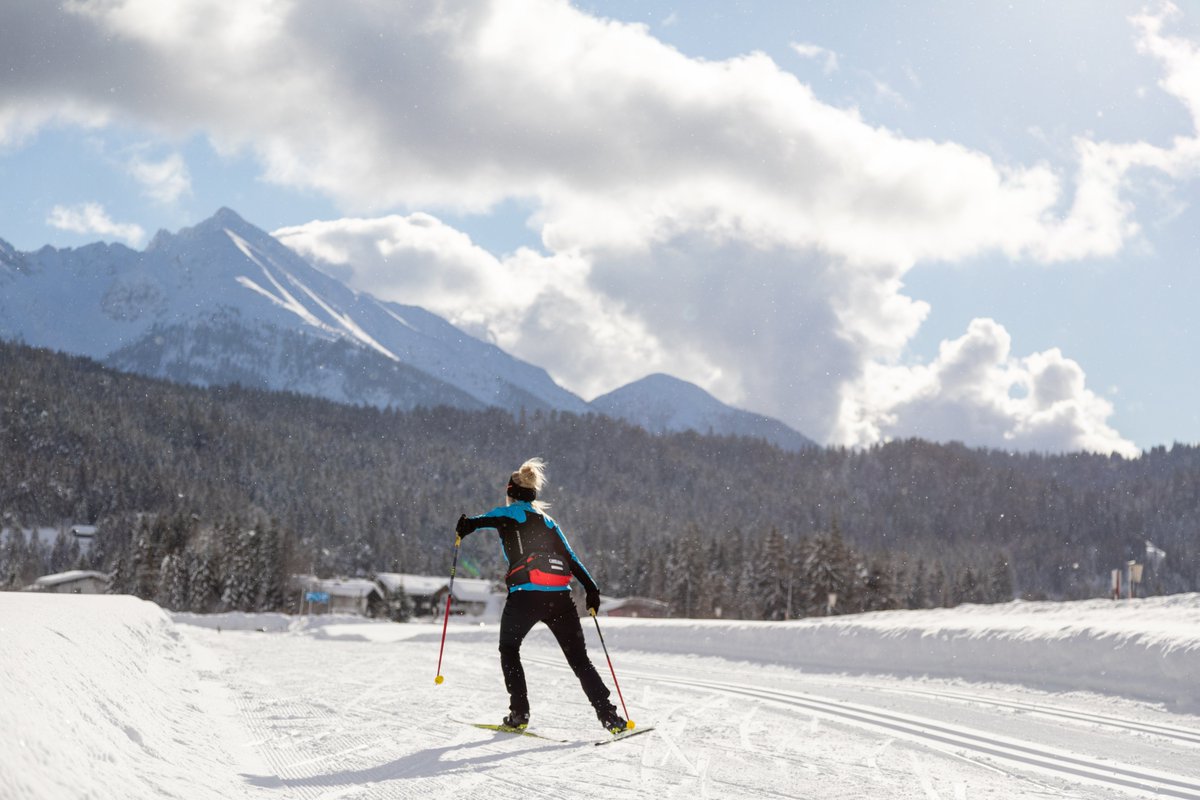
(464, 525)
(592, 600)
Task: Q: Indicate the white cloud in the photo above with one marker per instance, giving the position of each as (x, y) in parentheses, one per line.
(977, 391)
(885, 92)
(619, 137)
(1180, 57)
(713, 219)
(816, 52)
(163, 181)
(1101, 218)
(91, 218)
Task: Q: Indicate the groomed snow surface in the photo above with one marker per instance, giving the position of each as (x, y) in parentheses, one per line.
(109, 697)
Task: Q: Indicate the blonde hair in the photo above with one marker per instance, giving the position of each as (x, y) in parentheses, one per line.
(532, 475)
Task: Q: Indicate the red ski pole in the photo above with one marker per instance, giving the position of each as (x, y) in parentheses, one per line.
(621, 697)
(446, 619)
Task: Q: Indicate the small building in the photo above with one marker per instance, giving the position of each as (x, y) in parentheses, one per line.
(472, 596)
(339, 596)
(422, 590)
(75, 581)
(84, 534)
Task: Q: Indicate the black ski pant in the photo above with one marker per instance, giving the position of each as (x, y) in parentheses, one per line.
(522, 611)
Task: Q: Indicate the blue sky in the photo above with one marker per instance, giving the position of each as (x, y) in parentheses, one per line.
(969, 221)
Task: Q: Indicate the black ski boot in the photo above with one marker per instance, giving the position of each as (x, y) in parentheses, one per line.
(515, 721)
(612, 721)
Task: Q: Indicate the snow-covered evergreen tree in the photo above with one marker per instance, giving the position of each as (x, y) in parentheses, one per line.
(203, 586)
(771, 558)
(60, 553)
(269, 555)
(829, 569)
(242, 582)
(172, 584)
(682, 574)
(122, 576)
(145, 557)
(937, 593)
(999, 581)
(16, 548)
(916, 589)
(878, 590)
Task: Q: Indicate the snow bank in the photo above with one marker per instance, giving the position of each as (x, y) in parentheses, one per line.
(100, 698)
(266, 622)
(1147, 649)
(319, 626)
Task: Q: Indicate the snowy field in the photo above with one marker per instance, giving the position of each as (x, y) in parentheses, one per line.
(109, 697)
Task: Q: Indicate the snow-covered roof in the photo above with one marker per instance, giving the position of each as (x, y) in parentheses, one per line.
(613, 603)
(68, 577)
(341, 587)
(419, 585)
(466, 590)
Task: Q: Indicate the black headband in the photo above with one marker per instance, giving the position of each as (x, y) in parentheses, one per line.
(522, 493)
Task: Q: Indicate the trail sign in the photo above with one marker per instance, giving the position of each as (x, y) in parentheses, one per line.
(317, 597)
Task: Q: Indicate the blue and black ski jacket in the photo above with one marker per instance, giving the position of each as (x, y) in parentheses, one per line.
(539, 557)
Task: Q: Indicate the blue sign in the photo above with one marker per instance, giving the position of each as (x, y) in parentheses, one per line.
(317, 597)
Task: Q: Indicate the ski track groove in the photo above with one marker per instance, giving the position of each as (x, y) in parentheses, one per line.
(951, 739)
(258, 725)
(920, 730)
(923, 777)
(744, 729)
(296, 760)
(669, 726)
(873, 759)
(1172, 732)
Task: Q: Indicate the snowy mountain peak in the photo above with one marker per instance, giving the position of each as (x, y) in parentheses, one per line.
(662, 403)
(227, 217)
(213, 232)
(665, 387)
(224, 218)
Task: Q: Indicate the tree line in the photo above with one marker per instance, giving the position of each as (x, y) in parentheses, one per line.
(714, 525)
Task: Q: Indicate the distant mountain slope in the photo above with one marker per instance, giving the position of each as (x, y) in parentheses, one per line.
(224, 302)
(660, 403)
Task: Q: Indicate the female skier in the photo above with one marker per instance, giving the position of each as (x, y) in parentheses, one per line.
(540, 566)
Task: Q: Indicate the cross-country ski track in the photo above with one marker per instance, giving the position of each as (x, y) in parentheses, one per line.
(721, 735)
(338, 708)
(921, 730)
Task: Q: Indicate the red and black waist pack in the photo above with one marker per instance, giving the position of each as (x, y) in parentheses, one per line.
(540, 569)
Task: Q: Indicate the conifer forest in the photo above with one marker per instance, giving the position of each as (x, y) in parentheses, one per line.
(207, 499)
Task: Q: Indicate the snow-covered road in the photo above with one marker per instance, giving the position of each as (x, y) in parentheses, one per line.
(108, 697)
